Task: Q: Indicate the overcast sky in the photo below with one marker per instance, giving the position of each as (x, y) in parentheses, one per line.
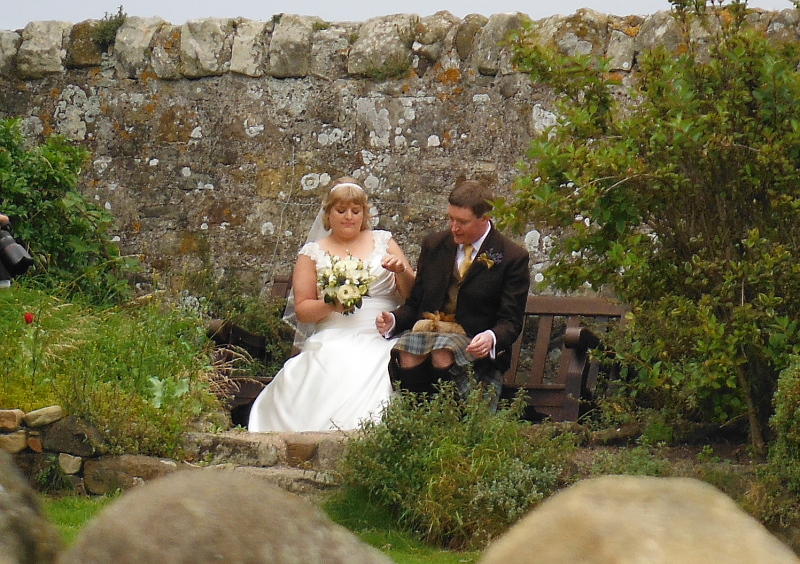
(15, 14)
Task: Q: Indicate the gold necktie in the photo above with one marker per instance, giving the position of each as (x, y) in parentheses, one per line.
(462, 270)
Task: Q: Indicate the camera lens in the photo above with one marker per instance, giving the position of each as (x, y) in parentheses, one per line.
(13, 255)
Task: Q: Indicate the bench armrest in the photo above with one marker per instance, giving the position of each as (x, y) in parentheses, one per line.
(580, 339)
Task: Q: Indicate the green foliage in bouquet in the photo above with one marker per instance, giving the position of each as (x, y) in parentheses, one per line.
(452, 471)
(67, 234)
(681, 198)
(139, 374)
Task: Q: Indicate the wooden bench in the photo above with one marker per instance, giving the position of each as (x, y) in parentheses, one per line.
(551, 358)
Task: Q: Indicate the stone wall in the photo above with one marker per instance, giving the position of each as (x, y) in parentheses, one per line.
(213, 141)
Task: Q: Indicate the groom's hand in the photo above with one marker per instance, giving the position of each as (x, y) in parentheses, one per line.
(384, 323)
(482, 345)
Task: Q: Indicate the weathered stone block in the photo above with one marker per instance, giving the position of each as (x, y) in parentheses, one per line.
(488, 55)
(15, 442)
(73, 436)
(384, 46)
(659, 29)
(242, 449)
(81, 50)
(290, 46)
(249, 54)
(165, 57)
(468, 30)
(9, 45)
(10, 419)
(42, 49)
(132, 46)
(111, 473)
(43, 416)
(206, 47)
(621, 50)
(70, 464)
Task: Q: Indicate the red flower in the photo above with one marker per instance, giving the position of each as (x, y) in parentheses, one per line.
(28, 317)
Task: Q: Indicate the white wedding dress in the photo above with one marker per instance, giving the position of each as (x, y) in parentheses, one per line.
(341, 376)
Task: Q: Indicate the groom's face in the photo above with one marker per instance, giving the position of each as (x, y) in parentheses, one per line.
(464, 225)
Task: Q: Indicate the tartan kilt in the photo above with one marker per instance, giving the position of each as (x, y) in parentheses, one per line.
(423, 342)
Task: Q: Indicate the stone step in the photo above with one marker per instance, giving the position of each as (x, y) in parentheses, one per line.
(319, 450)
(301, 463)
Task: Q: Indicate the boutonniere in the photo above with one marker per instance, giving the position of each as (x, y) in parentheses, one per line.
(490, 258)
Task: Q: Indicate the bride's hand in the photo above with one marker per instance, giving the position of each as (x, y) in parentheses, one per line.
(393, 263)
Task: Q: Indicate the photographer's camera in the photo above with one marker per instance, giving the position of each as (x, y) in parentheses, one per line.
(14, 259)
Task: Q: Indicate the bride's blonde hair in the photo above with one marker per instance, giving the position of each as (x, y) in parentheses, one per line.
(346, 190)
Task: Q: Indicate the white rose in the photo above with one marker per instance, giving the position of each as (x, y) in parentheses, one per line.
(346, 293)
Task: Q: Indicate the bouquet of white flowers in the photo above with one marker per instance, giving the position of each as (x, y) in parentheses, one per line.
(346, 281)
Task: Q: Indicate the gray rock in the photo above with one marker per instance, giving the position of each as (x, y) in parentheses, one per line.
(43, 416)
(26, 536)
(468, 30)
(330, 49)
(249, 54)
(165, 58)
(583, 33)
(384, 46)
(215, 516)
(659, 29)
(206, 47)
(42, 49)
(431, 34)
(245, 449)
(70, 464)
(14, 442)
(783, 26)
(9, 45)
(10, 419)
(73, 436)
(81, 50)
(112, 473)
(638, 520)
(290, 46)
(132, 45)
(489, 55)
(621, 50)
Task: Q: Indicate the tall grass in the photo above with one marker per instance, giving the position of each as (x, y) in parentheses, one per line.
(138, 373)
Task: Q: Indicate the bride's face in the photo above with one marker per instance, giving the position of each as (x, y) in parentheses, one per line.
(346, 219)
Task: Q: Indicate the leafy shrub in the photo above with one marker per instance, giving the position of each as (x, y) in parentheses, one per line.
(452, 471)
(139, 374)
(784, 453)
(636, 461)
(681, 199)
(68, 234)
(104, 33)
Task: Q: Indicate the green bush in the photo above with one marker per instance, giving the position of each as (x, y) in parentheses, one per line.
(679, 198)
(68, 235)
(452, 471)
(784, 453)
(139, 374)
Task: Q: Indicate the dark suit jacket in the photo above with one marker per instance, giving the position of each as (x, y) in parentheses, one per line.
(489, 298)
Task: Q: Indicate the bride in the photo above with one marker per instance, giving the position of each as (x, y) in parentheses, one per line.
(341, 375)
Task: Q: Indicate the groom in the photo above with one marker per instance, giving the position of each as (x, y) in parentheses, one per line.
(475, 273)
